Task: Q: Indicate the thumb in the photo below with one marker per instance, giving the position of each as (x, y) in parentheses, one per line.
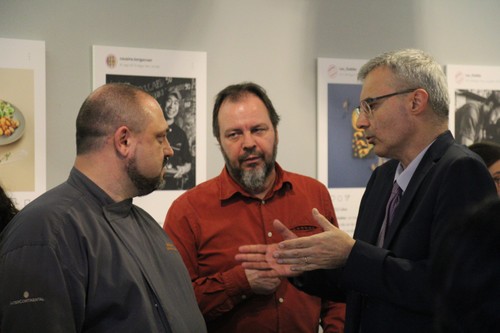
(322, 221)
(283, 230)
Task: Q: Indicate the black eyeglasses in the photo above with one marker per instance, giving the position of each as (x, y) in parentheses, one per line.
(366, 104)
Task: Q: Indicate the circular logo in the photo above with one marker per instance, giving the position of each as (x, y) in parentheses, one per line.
(111, 61)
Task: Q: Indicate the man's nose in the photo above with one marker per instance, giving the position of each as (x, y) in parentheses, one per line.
(248, 140)
(168, 151)
(362, 121)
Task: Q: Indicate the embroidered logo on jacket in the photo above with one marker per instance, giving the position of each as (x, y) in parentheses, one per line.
(170, 247)
(27, 299)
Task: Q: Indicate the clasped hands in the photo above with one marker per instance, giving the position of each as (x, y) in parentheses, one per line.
(326, 250)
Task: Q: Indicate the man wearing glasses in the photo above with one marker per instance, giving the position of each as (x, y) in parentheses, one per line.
(382, 272)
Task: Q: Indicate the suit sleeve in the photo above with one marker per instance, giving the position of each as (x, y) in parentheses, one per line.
(218, 293)
(442, 198)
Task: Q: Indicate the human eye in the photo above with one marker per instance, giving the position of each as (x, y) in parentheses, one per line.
(232, 135)
(259, 130)
(161, 137)
(369, 100)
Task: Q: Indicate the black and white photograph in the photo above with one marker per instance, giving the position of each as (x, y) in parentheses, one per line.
(477, 116)
(474, 103)
(177, 98)
(178, 81)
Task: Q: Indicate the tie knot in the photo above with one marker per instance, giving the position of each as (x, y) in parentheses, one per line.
(396, 190)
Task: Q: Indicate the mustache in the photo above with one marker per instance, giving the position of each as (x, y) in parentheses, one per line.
(248, 153)
(165, 161)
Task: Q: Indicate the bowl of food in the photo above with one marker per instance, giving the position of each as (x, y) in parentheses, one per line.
(12, 123)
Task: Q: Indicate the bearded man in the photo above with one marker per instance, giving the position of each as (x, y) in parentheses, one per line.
(209, 222)
(82, 257)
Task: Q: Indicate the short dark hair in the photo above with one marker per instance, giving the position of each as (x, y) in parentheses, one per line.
(488, 151)
(7, 209)
(103, 111)
(234, 93)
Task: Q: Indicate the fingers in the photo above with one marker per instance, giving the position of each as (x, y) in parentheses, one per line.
(292, 255)
(250, 257)
(260, 266)
(254, 261)
(322, 221)
(290, 259)
(256, 248)
(283, 230)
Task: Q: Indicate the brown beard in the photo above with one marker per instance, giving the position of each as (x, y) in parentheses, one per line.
(253, 181)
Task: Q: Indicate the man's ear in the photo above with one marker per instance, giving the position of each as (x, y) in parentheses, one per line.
(420, 100)
(122, 140)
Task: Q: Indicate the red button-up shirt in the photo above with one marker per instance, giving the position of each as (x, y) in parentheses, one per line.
(209, 222)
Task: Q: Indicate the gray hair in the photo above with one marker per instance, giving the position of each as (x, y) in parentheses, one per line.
(414, 69)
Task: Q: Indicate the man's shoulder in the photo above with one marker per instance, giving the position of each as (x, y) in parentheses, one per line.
(457, 152)
(45, 217)
(472, 107)
(207, 189)
(297, 179)
(59, 198)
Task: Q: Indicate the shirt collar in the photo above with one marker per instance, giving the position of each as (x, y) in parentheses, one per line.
(229, 187)
(403, 176)
(92, 190)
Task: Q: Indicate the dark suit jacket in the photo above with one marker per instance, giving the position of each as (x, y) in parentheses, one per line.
(387, 289)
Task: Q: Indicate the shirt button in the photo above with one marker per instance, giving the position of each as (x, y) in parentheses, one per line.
(281, 300)
(243, 296)
(263, 202)
(269, 234)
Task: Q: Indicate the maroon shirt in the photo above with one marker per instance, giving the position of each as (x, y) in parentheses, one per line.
(209, 222)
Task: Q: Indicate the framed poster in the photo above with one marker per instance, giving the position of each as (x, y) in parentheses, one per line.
(474, 103)
(22, 119)
(345, 159)
(177, 79)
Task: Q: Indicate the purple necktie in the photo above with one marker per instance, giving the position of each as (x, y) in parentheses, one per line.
(389, 213)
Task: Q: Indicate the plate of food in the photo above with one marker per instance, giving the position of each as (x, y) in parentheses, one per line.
(12, 123)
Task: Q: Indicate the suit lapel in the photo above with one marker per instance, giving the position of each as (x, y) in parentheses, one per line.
(373, 204)
(431, 157)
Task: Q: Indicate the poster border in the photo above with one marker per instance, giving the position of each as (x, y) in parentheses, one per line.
(160, 63)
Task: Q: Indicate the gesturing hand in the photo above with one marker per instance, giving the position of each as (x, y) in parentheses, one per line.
(260, 257)
(325, 250)
(294, 255)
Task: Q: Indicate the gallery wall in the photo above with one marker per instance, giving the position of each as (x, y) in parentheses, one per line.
(272, 42)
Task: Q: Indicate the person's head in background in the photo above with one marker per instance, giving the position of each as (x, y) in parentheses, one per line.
(172, 106)
(490, 153)
(466, 273)
(7, 209)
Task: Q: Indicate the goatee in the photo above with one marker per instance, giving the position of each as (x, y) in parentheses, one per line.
(252, 180)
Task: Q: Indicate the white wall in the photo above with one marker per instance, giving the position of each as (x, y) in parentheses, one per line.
(272, 42)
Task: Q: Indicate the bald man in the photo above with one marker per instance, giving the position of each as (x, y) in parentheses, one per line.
(82, 257)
